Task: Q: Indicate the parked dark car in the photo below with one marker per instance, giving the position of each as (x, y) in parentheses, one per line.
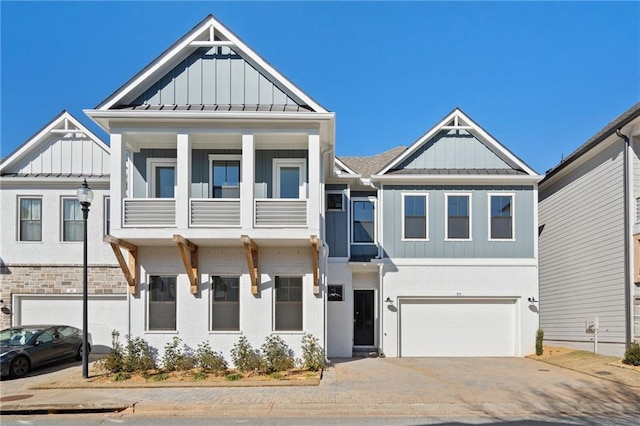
(30, 346)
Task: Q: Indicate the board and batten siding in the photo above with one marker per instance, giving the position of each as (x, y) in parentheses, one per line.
(139, 178)
(582, 251)
(480, 246)
(454, 149)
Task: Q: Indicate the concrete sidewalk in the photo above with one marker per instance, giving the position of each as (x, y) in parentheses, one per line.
(500, 387)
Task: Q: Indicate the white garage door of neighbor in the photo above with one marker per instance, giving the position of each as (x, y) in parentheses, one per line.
(104, 314)
(472, 327)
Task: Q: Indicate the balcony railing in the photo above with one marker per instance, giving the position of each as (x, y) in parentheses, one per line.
(149, 212)
(215, 212)
(281, 213)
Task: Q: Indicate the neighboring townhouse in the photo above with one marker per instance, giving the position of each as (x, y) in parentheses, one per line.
(433, 248)
(590, 242)
(41, 243)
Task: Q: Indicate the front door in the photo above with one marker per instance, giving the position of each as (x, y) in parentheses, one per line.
(363, 318)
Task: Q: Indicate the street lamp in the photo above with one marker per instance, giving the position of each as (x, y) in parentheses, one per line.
(85, 196)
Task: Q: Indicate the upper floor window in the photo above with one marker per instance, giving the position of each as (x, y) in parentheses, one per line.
(414, 214)
(289, 177)
(288, 304)
(162, 303)
(30, 219)
(162, 177)
(72, 223)
(501, 217)
(225, 176)
(335, 201)
(458, 213)
(225, 303)
(107, 215)
(363, 229)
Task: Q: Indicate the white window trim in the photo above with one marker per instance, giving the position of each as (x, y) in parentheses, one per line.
(446, 215)
(513, 215)
(147, 300)
(62, 199)
(152, 163)
(106, 206)
(211, 297)
(301, 163)
(222, 157)
(344, 200)
(375, 220)
(273, 310)
(426, 212)
(19, 220)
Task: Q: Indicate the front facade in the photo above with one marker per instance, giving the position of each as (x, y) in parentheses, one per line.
(590, 242)
(230, 215)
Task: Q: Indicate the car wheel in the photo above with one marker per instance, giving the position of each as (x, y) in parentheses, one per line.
(79, 352)
(19, 366)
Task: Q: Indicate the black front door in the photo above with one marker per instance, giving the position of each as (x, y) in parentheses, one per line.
(363, 318)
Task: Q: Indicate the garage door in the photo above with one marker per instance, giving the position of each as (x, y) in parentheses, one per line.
(104, 313)
(457, 327)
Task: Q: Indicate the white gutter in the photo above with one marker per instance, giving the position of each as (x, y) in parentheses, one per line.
(471, 179)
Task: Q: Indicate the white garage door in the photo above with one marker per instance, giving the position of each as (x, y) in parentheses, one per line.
(104, 314)
(457, 327)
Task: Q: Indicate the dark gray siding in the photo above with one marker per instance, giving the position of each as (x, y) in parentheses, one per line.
(140, 168)
(480, 246)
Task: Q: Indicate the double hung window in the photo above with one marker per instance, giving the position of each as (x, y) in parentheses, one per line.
(458, 216)
(225, 304)
(225, 176)
(501, 217)
(363, 227)
(162, 303)
(288, 304)
(30, 219)
(72, 223)
(414, 207)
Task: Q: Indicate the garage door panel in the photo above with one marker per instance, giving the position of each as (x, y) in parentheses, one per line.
(457, 328)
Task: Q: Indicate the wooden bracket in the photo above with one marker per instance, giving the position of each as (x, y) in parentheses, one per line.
(129, 270)
(189, 254)
(251, 253)
(315, 256)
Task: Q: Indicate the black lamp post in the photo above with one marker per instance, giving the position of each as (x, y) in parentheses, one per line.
(85, 196)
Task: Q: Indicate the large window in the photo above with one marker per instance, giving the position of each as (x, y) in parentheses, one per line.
(225, 176)
(288, 305)
(363, 229)
(289, 177)
(162, 177)
(72, 224)
(458, 216)
(501, 217)
(414, 207)
(162, 302)
(225, 304)
(30, 219)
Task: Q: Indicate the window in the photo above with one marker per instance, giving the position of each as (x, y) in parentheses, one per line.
(335, 293)
(335, 202)
(162, 177)
(414, 216)
(363, 221)
(288, 305)
(289, 177)
(107, 215)
(162, 302)
(72, 224)
(225, 176)
(225, 303)
(30, 219)
(501, 217)
(458, 217)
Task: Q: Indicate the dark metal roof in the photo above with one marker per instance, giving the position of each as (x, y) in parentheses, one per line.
(236, 108)
(607, 131)
(457, 172)
(54, 175)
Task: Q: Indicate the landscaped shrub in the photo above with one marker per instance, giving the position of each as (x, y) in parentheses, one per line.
(539, 339)
(177, 358)
(210, 361)
(276, 354)
(632, 354)
(244, 357)
(140, 357)
(114, 360)
(313, 357)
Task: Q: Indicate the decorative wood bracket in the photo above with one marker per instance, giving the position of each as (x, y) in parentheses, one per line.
(189, 254)
(251, 253)
(129, 270)
(315, 255)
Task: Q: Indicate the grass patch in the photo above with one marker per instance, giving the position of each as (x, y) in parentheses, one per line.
(159, 377)
(276, 376)
(120, 377)
(200, 375)
(233, 377)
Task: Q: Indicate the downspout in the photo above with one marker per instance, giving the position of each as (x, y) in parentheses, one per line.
(325, 255)
(627, 232)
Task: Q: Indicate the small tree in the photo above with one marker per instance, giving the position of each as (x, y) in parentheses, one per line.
(244, 357)
(210, 361)
(539, 339)
(113, 362)
(140, 356)
(176, 357)
(313, 356)
(276, 354)
(632, 354)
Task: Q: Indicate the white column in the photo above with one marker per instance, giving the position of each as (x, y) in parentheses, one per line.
(247, 182)
(183, 181)
(117, 186)
(313, 203)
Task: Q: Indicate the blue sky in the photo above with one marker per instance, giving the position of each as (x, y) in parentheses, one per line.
(540, 77)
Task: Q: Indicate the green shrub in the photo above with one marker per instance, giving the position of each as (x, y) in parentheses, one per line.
(313, 357)
(200, 375)
(210, 361)
(233, 377)
(276, 354)
(140, 357)
(632, 354)
(177, 358)
(121, 376)
(276, 376)
(113, 362)
(159, 377)
(539, 339)
(244, 357)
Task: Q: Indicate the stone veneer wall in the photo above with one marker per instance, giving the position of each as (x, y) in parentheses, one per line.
(53, 279)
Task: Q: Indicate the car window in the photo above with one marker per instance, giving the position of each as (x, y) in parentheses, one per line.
(15, 337)
(46, 336)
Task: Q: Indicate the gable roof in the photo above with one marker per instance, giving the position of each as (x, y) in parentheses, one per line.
(458, 120)
(58, 139)
(608, 130)
(367, 166)
(208, 37)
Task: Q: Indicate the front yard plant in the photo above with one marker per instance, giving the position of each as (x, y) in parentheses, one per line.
(632, 354)
(276, 354)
